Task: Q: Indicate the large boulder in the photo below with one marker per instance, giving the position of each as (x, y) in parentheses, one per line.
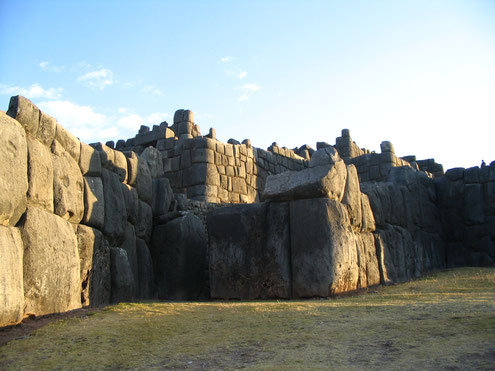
(89, 161)
(71, 144)
(11, 287)
(25, 112)
(146, 278)
(324, 156)
(94, 202)
(154, 159)
(123, 285)
(322, 181)
(52, 280)
(129, 245)
(352, 198)
(94, 256)
(249, 251)
(115, 210)
(143, 182)
(68, 185)
(179, 249)
(13, 172)
(40, 175)
(323, 249)
(162, 196)
(131, 202)
(144, 223)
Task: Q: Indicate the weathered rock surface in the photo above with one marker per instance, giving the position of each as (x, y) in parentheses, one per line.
(129, 245)
(46, 129)
(115, 210)
(94, 257)
(40, 175)
(249, 251)
(324, 156)
(11, 276)
(13, 172)
(144, 223)
(123, 285)
(146, 278)
(49, 287)
(68, 141)
(179, 249)
(94, 202)
(143, 183)
(322, 181)
(25, 112)
(162, 196)
(154, 159)
(131, 203)
(89, 161)
(68, 185)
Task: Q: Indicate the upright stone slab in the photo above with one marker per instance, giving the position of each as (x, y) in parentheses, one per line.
(162, 196)
(68, 185)
(11, 287)
(322, 181)
(40, 175)
(154, 159)
(94, 202)
(46, 129)
(115, 210)
(249, 253)
(89, 161)
(144, 223)
(25, 112)
(129, 245)
(143, 182)
(180, 247)
(146, 287)
(68, 141)
(323, 248)
(352, 197)
(52, 281)
(123, 285)
(13, 170)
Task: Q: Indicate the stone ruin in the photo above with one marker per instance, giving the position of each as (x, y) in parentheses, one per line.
(171, 214)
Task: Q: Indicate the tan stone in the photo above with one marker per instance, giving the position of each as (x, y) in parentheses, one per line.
(40, 175)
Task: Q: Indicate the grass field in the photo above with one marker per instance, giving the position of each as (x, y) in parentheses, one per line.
(443, 321)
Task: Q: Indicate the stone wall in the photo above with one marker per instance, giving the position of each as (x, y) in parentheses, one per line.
(467, 205)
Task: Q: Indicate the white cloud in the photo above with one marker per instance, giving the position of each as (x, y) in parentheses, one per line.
(242, 75)
(131, 122)
(225, 59)
(150, 89)
(243, 97)
(31, 92)
(251, 87)
(157, 118)
(98, 79)
(47, 66)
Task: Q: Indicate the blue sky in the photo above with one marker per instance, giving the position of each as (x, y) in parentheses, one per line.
(418, 73)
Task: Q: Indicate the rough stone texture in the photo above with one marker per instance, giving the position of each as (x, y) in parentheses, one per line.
(68, 185)
(146, 287)
(89, 161)
(143, 183)
(13, 172)
(323, 248)
(52, 280)
(94, 258)
(70, 143)
(162, 196)
(129, 245)
(94, 202)
(321, 181)
(115, 210)
(132, 167)
(324, 156)
(352, 197)
(123, 285)
(11, 277)
(249, 251)
(120, 165)
(25, 112)
(40, 175)
(131, 202)
(179, 250)
(46, 129)
(144, 223)
(154, 159)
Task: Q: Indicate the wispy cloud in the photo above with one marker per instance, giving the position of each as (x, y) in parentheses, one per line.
(247, 90)
(32, 92)
(98, 79)
(48, 66)
(150, 89)
(242, 75)
(225, 59)
(251, 87)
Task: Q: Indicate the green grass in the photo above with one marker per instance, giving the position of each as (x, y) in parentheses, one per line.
(443, 321)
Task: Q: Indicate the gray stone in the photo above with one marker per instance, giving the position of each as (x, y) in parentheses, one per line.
(94, 257)
(324, 156)
(323, 249)
(352, 198)
(123, 285)
(473, 204)
(322, 181)
(40, 175)
(143, 184)
(11, 288)
(25, 112)
(68, 185)
(387, 146)
(144, 221)
(146, 278)
(89, 161)
(179, 250)
(129, 245)
(131, 202)
(162, 196)
(455, 173)
(52, 280)
(154, 159)
(368, 223)
(132, 167)
(70, 143)
(472, 175)
(115, 210)
(249, 251)
(120, 165)
(13, 172)
(106, 154)
(94, 203)
(46, 129)
(182, 115)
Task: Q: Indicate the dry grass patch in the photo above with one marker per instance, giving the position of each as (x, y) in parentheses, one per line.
(444, 321)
